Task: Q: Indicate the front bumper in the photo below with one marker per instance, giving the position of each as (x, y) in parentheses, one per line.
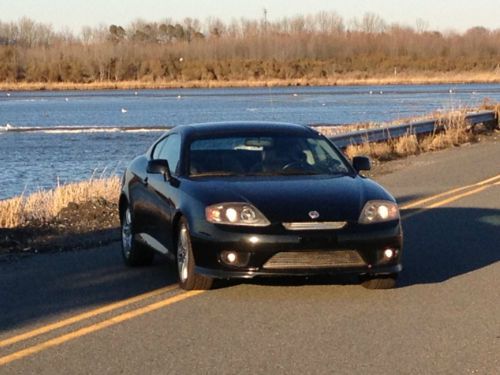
(355, 249)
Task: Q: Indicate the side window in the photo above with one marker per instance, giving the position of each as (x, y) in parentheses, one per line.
(170, 150)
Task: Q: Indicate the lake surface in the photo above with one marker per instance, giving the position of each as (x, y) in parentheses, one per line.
(49, 137)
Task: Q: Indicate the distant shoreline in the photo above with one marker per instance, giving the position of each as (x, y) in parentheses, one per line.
(402, 79)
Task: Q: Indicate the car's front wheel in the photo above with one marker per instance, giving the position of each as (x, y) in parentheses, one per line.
(134, 253)
(380, 282)
(188, 278)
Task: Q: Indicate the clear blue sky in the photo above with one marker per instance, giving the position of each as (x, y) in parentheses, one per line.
(439, 14)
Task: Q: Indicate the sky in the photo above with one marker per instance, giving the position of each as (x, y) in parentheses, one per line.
(440, 15)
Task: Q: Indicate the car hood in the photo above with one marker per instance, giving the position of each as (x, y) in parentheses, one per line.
(291, 199)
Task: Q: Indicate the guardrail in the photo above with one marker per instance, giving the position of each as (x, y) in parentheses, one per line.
(417, 128)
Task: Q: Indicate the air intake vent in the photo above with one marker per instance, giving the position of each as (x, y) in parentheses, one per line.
(315, 225)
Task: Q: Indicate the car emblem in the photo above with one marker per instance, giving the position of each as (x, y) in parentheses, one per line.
(313, 214)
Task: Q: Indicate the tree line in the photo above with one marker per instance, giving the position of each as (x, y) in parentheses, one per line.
(322, 45)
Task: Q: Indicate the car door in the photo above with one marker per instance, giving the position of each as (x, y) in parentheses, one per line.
(163, 193)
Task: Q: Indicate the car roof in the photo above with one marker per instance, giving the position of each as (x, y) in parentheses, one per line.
(233, 127)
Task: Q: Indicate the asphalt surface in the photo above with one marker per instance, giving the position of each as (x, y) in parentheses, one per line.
(444, 317)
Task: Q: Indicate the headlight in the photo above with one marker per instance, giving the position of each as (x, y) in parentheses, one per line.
(378, 211)
(235, 214)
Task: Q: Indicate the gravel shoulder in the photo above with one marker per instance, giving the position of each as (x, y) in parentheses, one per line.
(78, 226)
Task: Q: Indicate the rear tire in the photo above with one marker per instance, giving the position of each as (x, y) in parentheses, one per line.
(188, 278)
(134, 253)
(380, 282)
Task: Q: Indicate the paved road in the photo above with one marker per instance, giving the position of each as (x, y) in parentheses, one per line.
(443, 318)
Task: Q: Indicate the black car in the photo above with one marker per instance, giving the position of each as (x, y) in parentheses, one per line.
(239, 200)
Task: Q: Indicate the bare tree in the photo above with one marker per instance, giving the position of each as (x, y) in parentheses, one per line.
(370, 24)
(421, 25)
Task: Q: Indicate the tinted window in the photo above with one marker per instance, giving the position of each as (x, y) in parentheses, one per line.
(169, 149)
(264, 155)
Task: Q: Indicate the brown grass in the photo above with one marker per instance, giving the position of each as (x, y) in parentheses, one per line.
(44, 205)
(456, 131)
(340, 80)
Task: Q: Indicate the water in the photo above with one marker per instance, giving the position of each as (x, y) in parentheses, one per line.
(72, 135)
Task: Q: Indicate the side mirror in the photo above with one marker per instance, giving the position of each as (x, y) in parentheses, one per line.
(361, 163)
(159, 166)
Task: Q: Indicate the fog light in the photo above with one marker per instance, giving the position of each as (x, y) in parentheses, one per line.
(388, 253)
(234, 258)
(229, 257)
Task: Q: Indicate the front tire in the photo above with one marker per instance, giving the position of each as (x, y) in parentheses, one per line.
(134, 253)
(188, 278)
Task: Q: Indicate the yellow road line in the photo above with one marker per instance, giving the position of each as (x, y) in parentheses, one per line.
(96, 327)
(483, 185)
(83, 316)
(456, 190)
(457, 197)
(446, 201)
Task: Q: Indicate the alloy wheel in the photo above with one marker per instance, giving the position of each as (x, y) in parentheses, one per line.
(127, 234)
(183, 254)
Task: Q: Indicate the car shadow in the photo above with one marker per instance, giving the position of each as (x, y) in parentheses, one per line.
(46, 287)
(439, 244)
(446, 242)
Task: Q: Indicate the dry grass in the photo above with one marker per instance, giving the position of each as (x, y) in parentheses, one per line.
(340, 80)
(44, 205)
(455, 131)
(489, 105)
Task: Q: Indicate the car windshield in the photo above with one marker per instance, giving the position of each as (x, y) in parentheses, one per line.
(264, 155)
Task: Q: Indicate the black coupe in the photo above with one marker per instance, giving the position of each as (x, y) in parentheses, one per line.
(238, 200)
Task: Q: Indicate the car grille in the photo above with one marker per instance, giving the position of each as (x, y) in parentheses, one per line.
(313, 259)
(315, 225)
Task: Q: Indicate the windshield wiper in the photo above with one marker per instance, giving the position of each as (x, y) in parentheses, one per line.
(340, 173)
(298, 173)
(312, 173)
